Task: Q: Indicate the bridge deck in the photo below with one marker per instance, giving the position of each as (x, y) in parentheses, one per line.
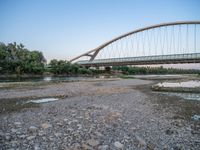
(158, 59)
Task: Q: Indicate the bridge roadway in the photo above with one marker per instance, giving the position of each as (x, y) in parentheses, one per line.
(143, 60)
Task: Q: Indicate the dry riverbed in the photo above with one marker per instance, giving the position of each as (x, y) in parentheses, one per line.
(102, 114)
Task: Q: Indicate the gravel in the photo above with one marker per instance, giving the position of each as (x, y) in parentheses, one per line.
(95, 115)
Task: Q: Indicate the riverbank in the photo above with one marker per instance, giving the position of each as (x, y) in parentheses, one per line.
(102, 114)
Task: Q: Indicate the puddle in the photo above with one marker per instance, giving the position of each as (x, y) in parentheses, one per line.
(43, 100)
(10, 105)
(196, 118)
(186, 96)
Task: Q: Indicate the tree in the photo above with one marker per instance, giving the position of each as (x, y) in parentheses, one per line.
(17, 59)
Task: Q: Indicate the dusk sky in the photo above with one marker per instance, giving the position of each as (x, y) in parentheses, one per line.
(63, 29)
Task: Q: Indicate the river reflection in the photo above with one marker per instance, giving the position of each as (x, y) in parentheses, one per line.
(46, 79)
(51, 78)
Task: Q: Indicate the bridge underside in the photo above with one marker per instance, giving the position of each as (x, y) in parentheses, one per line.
(144, 60)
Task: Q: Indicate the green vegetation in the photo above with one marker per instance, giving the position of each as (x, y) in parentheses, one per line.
(64, 67)
(126, 77)
(16, 59)
(154, 70)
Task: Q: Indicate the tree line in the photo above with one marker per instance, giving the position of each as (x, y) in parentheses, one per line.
(16, 59)
(153, 70)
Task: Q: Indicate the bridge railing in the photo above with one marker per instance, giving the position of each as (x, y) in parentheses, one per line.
(144, 58)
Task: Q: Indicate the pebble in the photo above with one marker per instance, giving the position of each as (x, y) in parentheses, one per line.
(141, 142)
(46, 125)
(65, 120)
(8, 137)
(14, 130)
(150, 146)
(17, 124)
(36, 147)
(170, 131)
(58, 134)
(22, 136)
(30, 137)
(79, 126)
(89, 129)
(178, 147)
(196, 118)
(103, 147)
(85, 147)
(118, 145)
(93, 142)
(32, 129)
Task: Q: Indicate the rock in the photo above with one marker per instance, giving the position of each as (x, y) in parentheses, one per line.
(17, 124)
(8, 137)
(196, 118)
(58, 134)
(178, 147)
(59, 124)
(30, 137)
(22, 136)
(177, 123)
(141, 142)
(46, 125)
(79, 126)
(165, 147)
(18, 132)
(32, 129)
(14, 143)
(103, 147)
(36, 147)
(41, 133)
(65, 120)
(150, 146)
(14, 130)
(127, 122)
(93, 142)
(118, 145)
(51, 138)
(133, 129)
(170, 131)
(98, 134)
(85, 147)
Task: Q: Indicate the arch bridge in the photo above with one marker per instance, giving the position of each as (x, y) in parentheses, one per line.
(166, 43)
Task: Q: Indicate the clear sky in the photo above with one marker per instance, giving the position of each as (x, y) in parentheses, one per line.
(63, 29)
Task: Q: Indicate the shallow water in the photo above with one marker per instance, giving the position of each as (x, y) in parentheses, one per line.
(10, 105)
(43, 100)
(51, 78)
(186, 96)
(46, 79)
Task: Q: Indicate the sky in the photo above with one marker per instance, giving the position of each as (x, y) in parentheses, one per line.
(63, 29)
